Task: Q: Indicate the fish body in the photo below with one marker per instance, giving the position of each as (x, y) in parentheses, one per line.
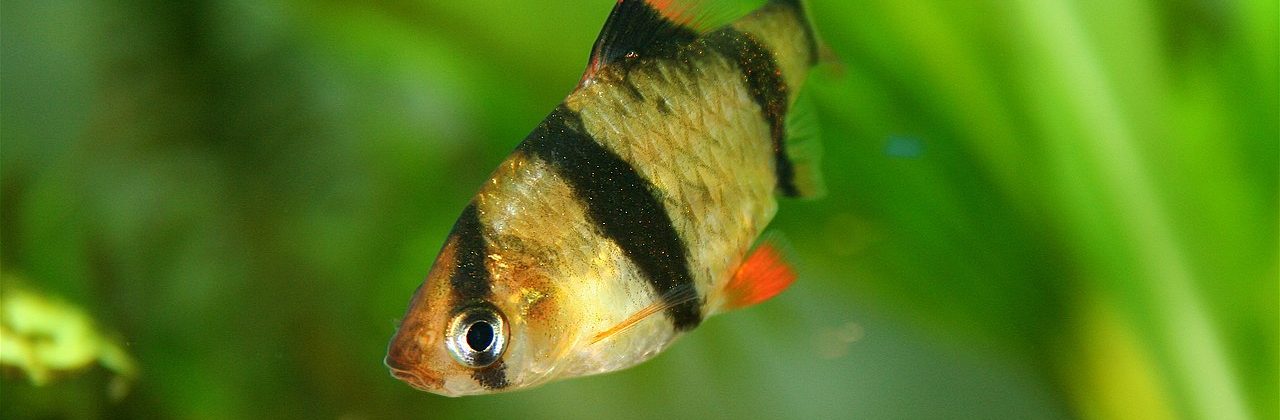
(629, 214)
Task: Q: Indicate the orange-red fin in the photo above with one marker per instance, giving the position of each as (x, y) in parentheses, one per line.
(763, 274)
(672, 298)
(640, 28)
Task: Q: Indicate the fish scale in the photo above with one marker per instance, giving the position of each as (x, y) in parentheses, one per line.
(700, 142)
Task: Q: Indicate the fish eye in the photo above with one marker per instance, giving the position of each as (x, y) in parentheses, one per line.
(477, 335)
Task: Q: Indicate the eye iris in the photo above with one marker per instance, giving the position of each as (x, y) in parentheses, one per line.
(476, 336)
(480, 336)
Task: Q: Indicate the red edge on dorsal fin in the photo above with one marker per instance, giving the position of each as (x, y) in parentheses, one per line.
(765, 273)
(681, 12)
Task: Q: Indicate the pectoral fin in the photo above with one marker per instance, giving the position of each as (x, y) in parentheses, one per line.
(675, 297)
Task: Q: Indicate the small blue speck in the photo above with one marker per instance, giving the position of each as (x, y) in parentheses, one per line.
(904, 147)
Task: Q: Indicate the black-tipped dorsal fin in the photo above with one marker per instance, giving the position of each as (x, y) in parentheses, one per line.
(640, 28)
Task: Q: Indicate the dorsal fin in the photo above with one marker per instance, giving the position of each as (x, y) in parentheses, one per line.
(640, 28)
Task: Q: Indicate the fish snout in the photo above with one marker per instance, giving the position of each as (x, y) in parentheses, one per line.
(406, 358)
(403, 355)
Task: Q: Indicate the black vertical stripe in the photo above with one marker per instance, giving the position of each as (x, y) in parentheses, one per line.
(471, 282)
(621, 203)
(761, 75)
(470, 279)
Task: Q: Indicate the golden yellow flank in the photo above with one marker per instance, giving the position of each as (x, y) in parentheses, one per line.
(702, 142)
(558, 280)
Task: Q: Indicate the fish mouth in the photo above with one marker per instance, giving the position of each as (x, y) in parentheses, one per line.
(417, 381)
(407, 371)
(406, 361)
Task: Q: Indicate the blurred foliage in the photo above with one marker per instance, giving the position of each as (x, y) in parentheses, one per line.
(43, 337)
(1037, 208)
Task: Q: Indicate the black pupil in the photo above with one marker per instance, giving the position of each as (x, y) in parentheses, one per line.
(480, 335)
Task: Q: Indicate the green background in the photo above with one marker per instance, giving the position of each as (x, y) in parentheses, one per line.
(1036, 208)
